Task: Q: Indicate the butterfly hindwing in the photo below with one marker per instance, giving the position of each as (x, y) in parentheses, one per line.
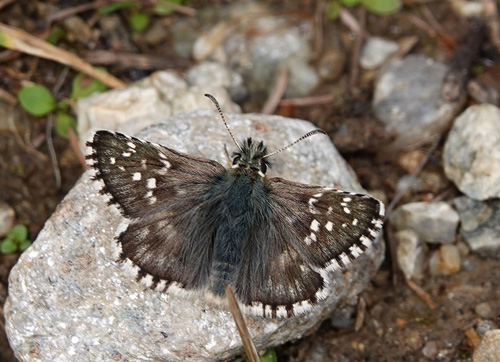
(312, 230)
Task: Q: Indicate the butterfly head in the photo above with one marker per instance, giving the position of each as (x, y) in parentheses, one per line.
(251, 157)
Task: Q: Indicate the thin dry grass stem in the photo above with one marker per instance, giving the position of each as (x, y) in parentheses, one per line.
(17, 39)
(308, 101)
(276, 94)
(248, 345)
(399, 195)
(52, 151)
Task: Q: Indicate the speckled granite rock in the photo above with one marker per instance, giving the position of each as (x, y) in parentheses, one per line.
(471, 154)
(407, 100)
(69, 300)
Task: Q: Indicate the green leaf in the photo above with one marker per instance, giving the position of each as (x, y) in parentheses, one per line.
(116, 6)
(18, 232)
(333, 10)
(23, 245)
(5, 40)
(83, 86)
(8, 246)
(165, 7)
(382, 7)
(269, 356)
(55, 35)
(36, 100)
(63, 122)
(139, 21)
(350, 3)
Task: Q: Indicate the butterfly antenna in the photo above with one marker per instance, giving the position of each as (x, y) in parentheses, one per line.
(214, 101)
(308, 134)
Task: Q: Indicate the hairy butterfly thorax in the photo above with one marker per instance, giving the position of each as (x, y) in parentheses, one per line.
(251, 159)
(194, 225)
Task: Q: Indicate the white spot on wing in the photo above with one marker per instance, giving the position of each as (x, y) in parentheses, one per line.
(329, 226)
(315, 225)
(112, 160)
(130, 144)
(136, 176)
(126, 154)
(151, 183)
(347, 210)
(355, 222)
(366, 242)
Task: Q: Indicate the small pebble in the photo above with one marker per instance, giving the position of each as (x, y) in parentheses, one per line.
(484, 310)
(376, 51)
(430, 350)
(485, 326)
(7, 215)
(445, 261)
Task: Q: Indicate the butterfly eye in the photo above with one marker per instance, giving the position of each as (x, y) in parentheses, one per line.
(263, 167)
(236, 160)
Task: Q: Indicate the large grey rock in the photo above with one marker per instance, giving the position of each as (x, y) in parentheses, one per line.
(407, 100)
(471, 154)
(480, 225)
(69, 300)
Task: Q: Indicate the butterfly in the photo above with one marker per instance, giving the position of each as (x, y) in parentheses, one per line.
(195, 225)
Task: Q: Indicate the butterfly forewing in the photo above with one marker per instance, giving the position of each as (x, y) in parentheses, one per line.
(140, 177)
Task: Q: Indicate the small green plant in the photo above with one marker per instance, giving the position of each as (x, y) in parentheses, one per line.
(16, 240)
(268, 356)
(139, 21)
(377, 7)
(38, 101)
(140, 16)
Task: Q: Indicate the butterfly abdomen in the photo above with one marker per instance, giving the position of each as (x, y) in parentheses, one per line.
(238, 217)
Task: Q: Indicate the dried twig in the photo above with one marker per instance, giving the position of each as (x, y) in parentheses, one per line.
(318, 27)
(276, 94)
(14, 38)
(52, 152)
(458, 74)
(248, 345)
(419, 23)
(360, 315)
(61, 14)
(75, 146)
(421, 293)
(356, 52)
(350, 21)
(129, 60)
(308, 101)
(4, 3)
(399, 195)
